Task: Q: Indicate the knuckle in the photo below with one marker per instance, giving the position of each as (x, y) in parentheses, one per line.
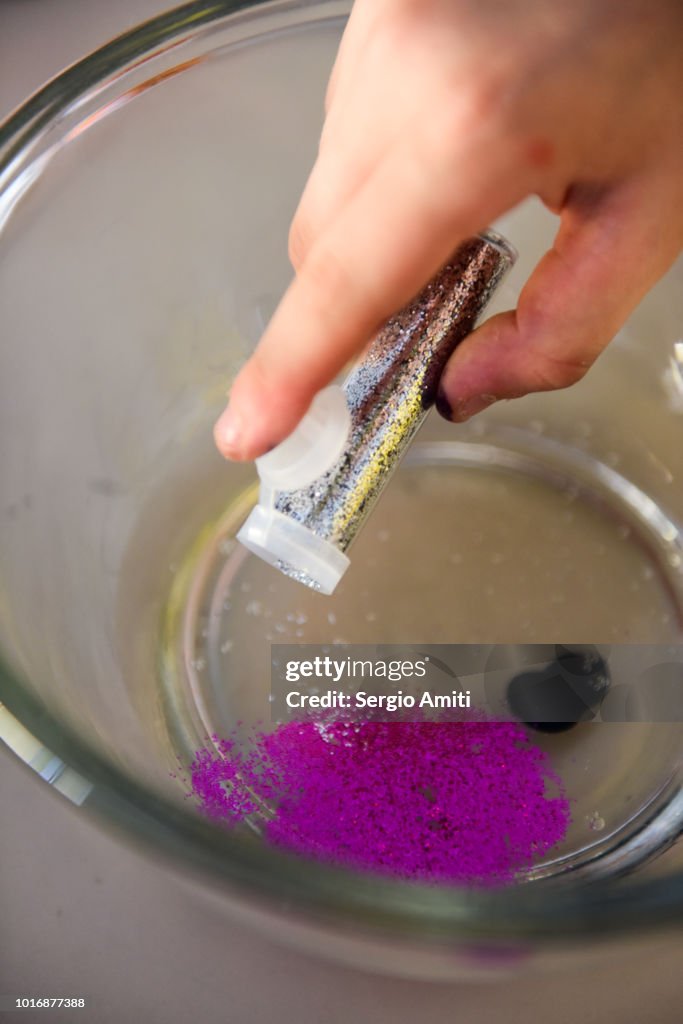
(553, 373)
(483, 102)
(328, 278)
(299, 241)
(464, 113)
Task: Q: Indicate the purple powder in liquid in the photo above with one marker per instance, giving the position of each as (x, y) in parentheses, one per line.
(460, 802)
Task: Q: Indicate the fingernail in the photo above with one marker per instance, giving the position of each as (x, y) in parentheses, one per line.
(468, 407)
(443, 406)
(228, 434)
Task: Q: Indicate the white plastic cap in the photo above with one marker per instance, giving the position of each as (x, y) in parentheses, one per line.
(313, 447)
(299, 460)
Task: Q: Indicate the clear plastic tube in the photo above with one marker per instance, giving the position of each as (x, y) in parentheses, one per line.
(388, 395)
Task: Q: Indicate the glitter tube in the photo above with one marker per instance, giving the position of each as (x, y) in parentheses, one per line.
(388, 394)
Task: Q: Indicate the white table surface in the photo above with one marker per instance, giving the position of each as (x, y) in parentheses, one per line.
(81, 914)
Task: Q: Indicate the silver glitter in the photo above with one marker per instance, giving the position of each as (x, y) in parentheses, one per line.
(390, 391)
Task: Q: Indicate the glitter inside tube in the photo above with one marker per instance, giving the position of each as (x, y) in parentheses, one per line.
(389, 393)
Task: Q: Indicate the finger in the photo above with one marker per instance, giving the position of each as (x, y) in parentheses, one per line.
(611, 248)
(341, 169)
(382, 248)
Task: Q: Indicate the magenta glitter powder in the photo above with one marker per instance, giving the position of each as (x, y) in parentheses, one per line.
(460, 802)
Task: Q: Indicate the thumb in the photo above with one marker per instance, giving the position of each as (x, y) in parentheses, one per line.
(612, 246)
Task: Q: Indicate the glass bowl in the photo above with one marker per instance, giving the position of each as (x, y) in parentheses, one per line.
(145, 199)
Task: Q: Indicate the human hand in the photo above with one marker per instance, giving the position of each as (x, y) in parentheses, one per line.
(441, 115)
